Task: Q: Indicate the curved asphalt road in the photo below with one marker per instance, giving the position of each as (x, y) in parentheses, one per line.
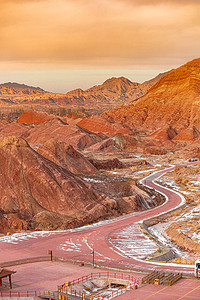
(78, 243)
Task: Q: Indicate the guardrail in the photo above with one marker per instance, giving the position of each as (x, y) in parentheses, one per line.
(68, 289)
(27, 260)
(20, 294)
(72, 292)
(24, 294)
(107, 275)
(65, 292)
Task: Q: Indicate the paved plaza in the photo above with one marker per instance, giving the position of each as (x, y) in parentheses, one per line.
(48, 275)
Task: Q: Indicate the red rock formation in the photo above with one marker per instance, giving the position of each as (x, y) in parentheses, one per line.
(188, 134)
(164, 134)
(107, 164)
(173, 100)
(105, 146)
(154, 150)
(33, 117)
(43, 194)
(54, 128)
(191, 149)
(126, 142)
(60, 131)
(12, 128)
(100, 125)
(194, 152)
(67, 157)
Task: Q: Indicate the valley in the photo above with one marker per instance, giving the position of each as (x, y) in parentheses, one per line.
(99, 150)
(123, 183)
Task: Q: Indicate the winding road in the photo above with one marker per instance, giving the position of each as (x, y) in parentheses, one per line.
(117, 243)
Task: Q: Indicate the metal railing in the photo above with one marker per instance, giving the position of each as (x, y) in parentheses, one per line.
(68, 288)
(20, 294)
(107, 275)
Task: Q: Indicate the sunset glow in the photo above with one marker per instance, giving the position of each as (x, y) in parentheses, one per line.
(64, 44)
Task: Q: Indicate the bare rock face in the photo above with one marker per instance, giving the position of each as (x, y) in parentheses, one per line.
(100, 125)
(107, 164)
(67, 157)
(194, 152)
(129, 197)
(188, 134)
(35, 189)
(173, 100)
(164, 134)
(127, 143)
(105, 146)
(12, 221)
(154, 150)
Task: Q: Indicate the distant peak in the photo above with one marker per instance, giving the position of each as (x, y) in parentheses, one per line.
(117, 79)
(21, 86)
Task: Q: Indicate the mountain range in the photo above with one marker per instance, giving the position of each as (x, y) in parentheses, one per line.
(111, 93)
(174, 101)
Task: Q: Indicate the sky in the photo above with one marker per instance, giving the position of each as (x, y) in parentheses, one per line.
(61, 45)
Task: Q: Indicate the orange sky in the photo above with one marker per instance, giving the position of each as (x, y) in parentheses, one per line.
(63, 44)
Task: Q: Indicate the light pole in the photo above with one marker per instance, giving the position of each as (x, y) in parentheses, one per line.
(51, 254)
(93, 266)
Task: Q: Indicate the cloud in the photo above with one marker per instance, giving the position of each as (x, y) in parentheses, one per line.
(159, 2)
(98, 32)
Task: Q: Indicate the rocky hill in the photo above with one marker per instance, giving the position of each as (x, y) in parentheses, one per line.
(33, 117)
(13, 88)
(174, 100)
(13, 93)
(67, 157)
(36, 193)
(111, 93)
(101, 126)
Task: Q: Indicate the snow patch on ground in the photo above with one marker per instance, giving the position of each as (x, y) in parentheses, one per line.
(69, 245)
(132, 242)
(158, 231)
(16, 238)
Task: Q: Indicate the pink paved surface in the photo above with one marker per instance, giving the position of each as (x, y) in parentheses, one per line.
(78, 244)
(48, 275)
(184, 289)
